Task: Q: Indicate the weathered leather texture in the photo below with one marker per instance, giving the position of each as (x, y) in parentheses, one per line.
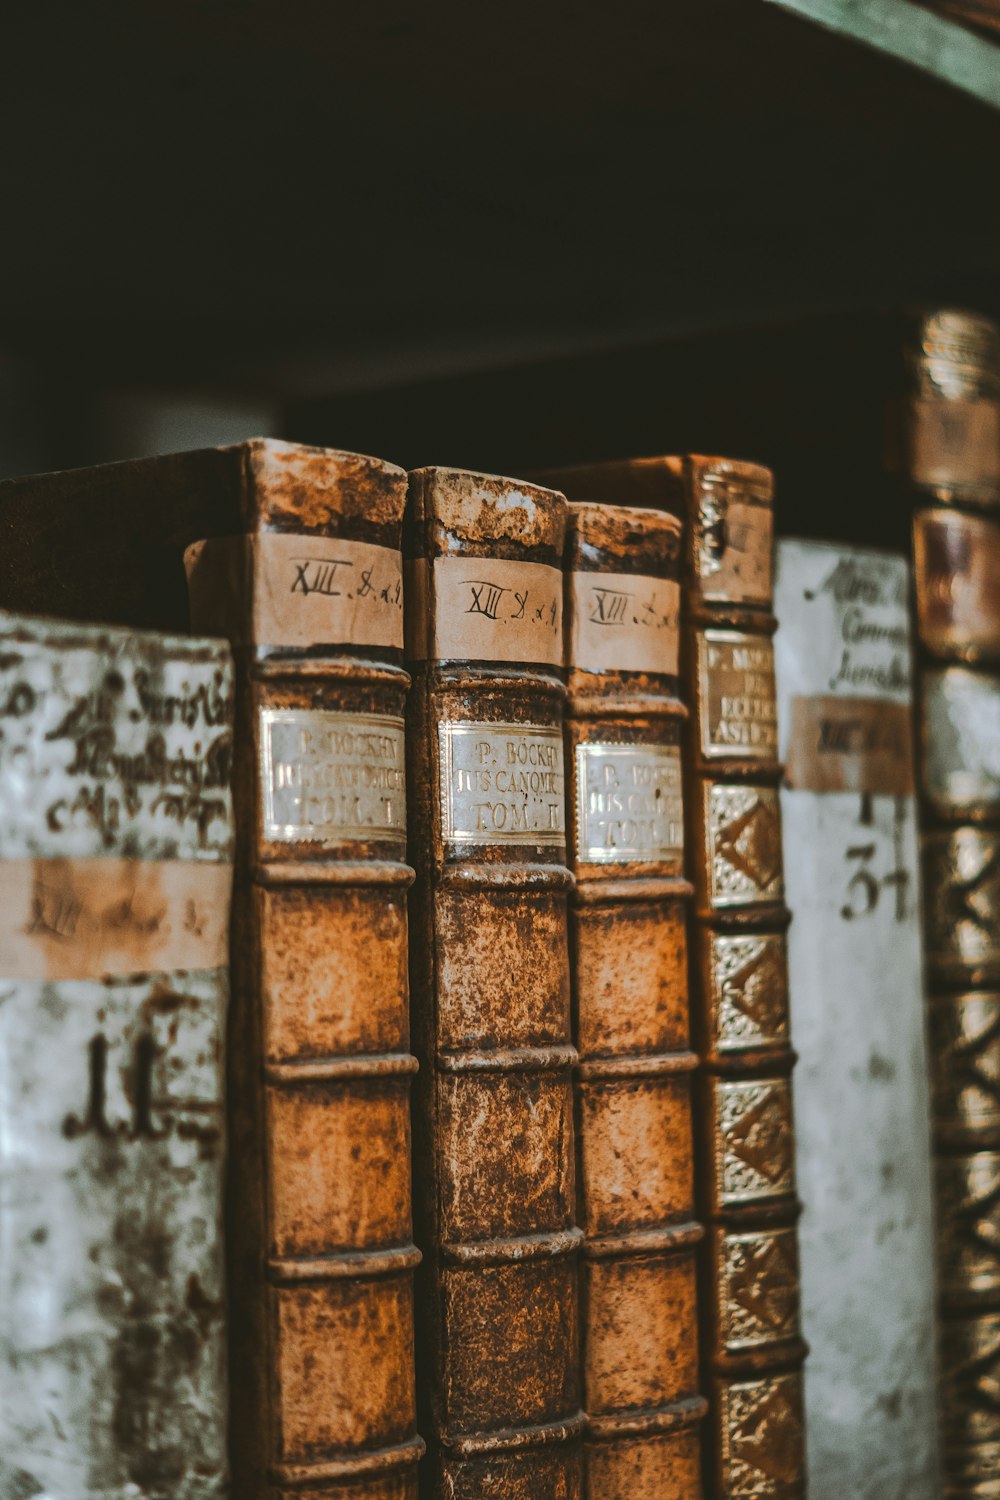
(752, 1344)
(322, 1255)
(629, 973)
(320, 1251)
(752, 1351)
(956, 545)
(494, 1162)
(115, 756)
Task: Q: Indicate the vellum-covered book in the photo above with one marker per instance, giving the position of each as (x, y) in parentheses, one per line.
(842, 662)
(116, 836)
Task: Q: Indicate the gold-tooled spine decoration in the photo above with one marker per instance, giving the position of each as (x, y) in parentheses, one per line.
(751, 1344)
(628, 914)
(751, 1349)
(953, 365)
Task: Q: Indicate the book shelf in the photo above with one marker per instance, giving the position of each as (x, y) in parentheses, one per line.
(508, 242)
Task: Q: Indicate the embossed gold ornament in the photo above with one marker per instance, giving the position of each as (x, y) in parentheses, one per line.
(763, 1436)
(749, 991)
(755, 1157)
(743, 827)
(965, 1064)
(961, 870)
(759, 1291)
(968, 1228)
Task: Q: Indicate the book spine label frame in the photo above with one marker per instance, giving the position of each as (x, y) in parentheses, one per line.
(752, 1348)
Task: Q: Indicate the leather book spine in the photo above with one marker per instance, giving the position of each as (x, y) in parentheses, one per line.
(321, 1250)
(956, 532)
(116, 846)
(629, 973)
(493, 1122)
(752, 1348)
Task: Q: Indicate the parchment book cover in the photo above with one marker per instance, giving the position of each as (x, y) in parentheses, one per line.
(842, 663)
(115, 872)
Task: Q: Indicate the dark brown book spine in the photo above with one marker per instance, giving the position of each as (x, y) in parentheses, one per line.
(956, 530)
(629, 970)
(322, 1256)
(752, 1346)
(494, 1162)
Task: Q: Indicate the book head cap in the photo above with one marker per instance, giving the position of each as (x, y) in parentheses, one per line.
(487, 510)
(630, 534)
(730, 534)
(953, 353)
(754, 481)
(310, 488)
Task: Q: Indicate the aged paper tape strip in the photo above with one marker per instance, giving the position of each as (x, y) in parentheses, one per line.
(624, 622)
(842, 744)
(94, 918)
(307, 590)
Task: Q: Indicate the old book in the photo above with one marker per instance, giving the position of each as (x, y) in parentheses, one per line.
(493, 1120)
(752, 1349)
(842, 659)
(116, 839)
(629, 973)
(294, 553)
(956, 550)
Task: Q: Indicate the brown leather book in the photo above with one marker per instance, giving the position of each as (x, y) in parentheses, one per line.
(751, 1348)
(494, 1170)
(629, 971)
(954, 361)
(296, 558)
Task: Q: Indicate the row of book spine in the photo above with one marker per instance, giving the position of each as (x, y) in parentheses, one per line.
(545, 962)
(543, 775)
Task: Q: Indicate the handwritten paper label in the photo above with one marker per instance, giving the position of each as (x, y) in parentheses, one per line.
(733, 542)
(485, 609)
(95, 918)
(952, 443)
(848, 744)
(957, 573)
(306, 590)
(114, 744)
(628, 804)
(736, 693)
(624, 622)
(502, 784)
(330, 777)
